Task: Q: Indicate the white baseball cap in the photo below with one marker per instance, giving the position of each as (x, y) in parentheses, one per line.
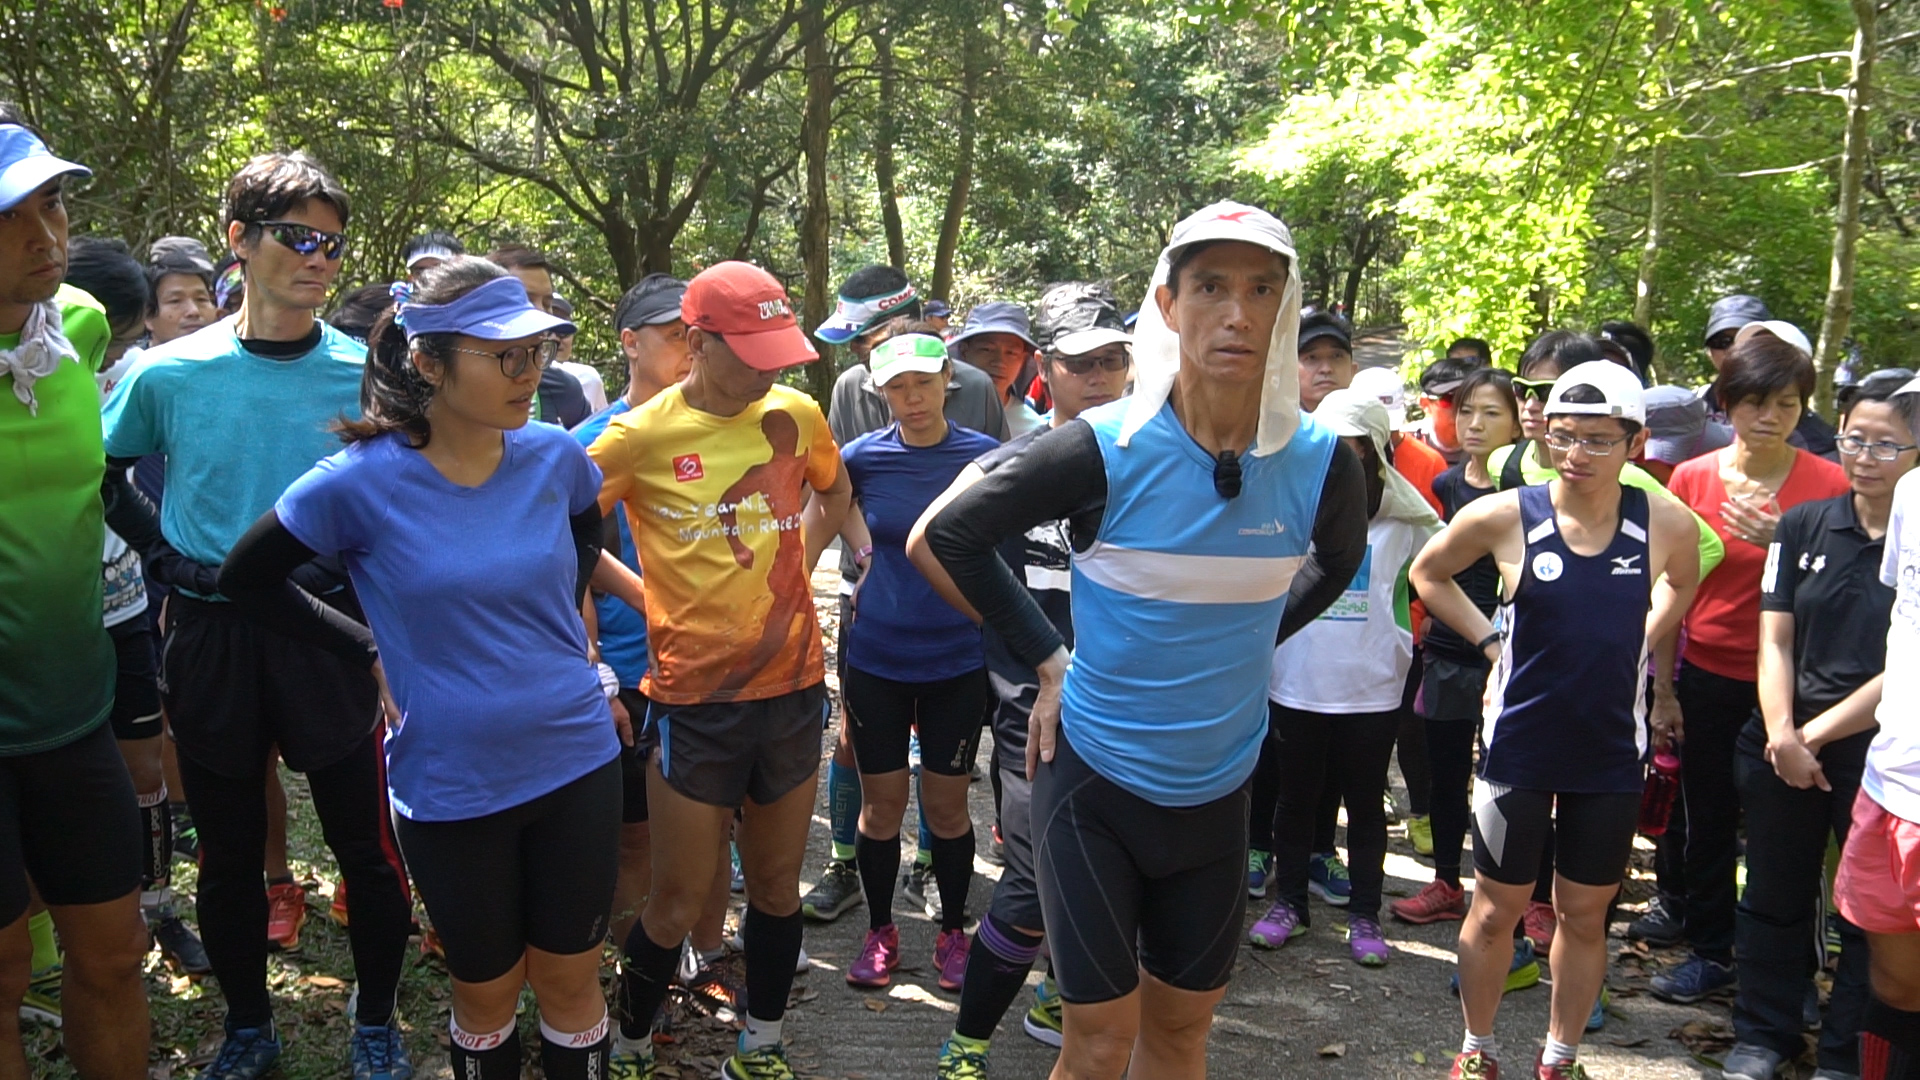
(1384, 383)
(906, 352)
(1621, 395)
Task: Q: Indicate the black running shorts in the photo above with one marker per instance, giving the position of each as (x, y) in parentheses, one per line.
(725, 753)
(136, 687)
(69, 820)
(883, 715)
(539, 874)
(1127, 884)
(1593, 833)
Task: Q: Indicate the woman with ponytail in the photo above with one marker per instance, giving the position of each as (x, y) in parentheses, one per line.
(470, 535)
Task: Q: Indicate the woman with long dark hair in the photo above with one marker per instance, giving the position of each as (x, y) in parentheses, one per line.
(470, 535)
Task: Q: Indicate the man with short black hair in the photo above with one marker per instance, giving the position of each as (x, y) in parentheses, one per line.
(1593, 571)
(235, 691)
(181, 279)
(560, 399)
(69, 825)
(1471, 349)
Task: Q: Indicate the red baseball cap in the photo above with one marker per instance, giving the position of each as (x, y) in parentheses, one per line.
(750, 308)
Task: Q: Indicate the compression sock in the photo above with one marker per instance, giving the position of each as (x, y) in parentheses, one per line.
(1485, 1044)
(879, 861)
(997, 968)
(843, 808)
(646, 974)
(46, 950)
(1557, 1052)
(1889, 1043)
(773, 947)
(953, 871)
(577, 1055)
(493, 1056)
(156, 858)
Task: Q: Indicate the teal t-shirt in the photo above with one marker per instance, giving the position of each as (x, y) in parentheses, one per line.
(237, 427)
(56, 661)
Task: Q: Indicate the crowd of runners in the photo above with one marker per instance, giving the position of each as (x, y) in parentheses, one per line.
(550, 659)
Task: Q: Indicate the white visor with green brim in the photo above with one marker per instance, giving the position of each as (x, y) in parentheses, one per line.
(907, 352)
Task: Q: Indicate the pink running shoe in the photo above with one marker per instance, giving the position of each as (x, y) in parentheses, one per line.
(1280, 925)
(1435, 902)
(878, 957)
(950, 956)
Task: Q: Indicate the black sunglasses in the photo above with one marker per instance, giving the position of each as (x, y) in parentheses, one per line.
(1721, 340)
(305, 239)
(1084, 365)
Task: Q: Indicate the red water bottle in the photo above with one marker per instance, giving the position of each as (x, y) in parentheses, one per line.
(1656, 801)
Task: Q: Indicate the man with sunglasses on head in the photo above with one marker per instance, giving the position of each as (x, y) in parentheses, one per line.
(1724, 320)
(241, 410)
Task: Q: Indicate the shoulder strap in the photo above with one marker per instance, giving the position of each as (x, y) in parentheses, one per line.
(1510, 473)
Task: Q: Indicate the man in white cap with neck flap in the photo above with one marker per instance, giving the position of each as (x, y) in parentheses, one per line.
(1209, 520)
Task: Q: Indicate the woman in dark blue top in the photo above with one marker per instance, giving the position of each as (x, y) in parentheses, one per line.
(913, 660)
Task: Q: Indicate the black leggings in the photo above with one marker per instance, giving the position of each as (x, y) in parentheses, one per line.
(350, 798)
(1306, 747)
(1450, 753)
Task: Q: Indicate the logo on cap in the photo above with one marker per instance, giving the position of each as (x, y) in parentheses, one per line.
(1233, 217)
(775, 308)
(687, 468)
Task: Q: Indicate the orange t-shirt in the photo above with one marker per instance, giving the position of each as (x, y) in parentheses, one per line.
(1723, 626)
(1419, 463)
(714, 506)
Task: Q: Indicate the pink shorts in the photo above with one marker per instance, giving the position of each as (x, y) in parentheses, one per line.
(1878, 886)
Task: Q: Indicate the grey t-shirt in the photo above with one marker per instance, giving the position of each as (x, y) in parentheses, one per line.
(858, 407)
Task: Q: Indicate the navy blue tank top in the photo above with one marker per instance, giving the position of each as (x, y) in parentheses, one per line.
(1567, 709)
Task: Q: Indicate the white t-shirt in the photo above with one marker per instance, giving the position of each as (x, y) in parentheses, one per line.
(591, 384)
(1354, 657)
(1893, 764)
(123, 588)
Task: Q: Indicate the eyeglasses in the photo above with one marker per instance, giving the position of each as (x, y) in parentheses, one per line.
(1084, 365)
(1721, 340)
(305, 239)
(1854, 446)
(515, 361)
(1537, 389)
(1592, 447)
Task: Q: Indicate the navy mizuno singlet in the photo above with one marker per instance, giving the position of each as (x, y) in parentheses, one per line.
(1567, 709)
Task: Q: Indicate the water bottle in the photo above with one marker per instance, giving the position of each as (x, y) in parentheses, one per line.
(1656, 801)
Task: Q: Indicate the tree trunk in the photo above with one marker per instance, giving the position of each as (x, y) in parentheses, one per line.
(1838, 313)
(816, 128)
(883, 171)
(1650, 250)
(971, 65)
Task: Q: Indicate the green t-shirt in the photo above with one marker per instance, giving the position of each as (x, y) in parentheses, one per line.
(1535, 471)
(56, 661)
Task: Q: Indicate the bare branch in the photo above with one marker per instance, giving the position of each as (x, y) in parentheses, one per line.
(1783, 170)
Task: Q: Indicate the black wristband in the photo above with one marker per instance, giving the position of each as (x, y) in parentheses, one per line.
(1486, 641)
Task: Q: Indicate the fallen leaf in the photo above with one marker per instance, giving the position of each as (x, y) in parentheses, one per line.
(326, 982)
(1419, 1057)
(876, 1005)
(1333, 1050)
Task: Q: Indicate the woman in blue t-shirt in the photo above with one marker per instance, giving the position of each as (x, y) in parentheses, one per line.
(470, 535)
(913, 660)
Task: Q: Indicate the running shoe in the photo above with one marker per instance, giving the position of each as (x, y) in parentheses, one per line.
(1522, 973)
(1259, 870)
(1660, 927)
(286, 914)
(996, 853)
(836, 893)
(962, 1058)
(1474, 1066)
(1437, 901)
(1327, 879)
(1566, 1070)
(1420, 834)
(42, 1003)
(1367, 942)
(950, 956)
(337, 907)
(719, 984)
(1278, 926)
(186, 838)
(246, 1054)
(739, 882)
(626, 1062)
(1045, 1022)
(179, 945)
(1824, 1073)
(378, 1053)
(1538, 924)
(801, 963)
(918, 886)
(878, 957)
(1692, 981)
(1597, 1019)
(1749, 1062)
(764, 1063)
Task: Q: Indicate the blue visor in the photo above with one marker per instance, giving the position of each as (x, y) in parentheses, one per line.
(26, 164)
(496, 311)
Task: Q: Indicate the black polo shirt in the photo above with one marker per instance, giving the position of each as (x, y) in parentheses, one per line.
(1824, 571)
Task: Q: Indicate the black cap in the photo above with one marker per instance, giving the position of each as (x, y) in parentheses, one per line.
(653, 300)
(1076, 317)
(1445, 375)
(1734, 312)
(1319, 324)
(185, 253)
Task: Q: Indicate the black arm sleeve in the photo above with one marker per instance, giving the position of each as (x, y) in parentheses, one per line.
(255, 578)
(1339, 543)
(130, 514)
(1060, 475)
(586, 547)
